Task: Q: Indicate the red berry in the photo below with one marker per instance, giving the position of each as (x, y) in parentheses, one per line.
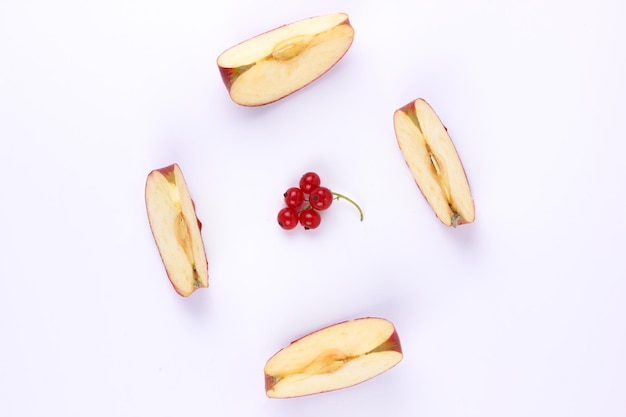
(309, 182)
(294, 197)
(310, 219)
(321, 198)
(288, 218)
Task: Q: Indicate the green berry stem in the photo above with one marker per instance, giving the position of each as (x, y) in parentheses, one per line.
(338, 196)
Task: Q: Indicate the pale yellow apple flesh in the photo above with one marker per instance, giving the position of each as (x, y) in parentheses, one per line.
(332, 358)
(434, 162)
(277, 63)
(176, 229)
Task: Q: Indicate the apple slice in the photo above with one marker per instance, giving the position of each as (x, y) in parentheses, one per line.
(434, 162)
(176, 229)
(332, 358)
(273, 65)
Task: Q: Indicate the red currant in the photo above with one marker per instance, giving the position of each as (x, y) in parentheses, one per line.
(309, 182)
(294, 197)
(310, 219)
(288, 218)
(321, 198)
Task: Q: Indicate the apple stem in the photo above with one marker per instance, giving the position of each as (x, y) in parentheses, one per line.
(456, 218)
(338, 196)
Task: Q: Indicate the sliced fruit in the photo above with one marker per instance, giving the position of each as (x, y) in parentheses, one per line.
(434, 162)
(176, 229)
(332, 358)
(277, 63)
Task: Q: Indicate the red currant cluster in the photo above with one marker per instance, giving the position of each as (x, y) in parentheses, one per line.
(306, 201)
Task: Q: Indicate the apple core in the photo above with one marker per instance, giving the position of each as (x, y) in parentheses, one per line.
(327, 362)
(292, 47)
(183, 237)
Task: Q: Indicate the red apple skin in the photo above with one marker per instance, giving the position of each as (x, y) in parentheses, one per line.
(167, 171)
(407, 107)
(391, 344)
(270, 381)
(461, 221)
(229, 75)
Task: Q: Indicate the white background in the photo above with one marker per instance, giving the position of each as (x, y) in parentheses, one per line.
(521, 313)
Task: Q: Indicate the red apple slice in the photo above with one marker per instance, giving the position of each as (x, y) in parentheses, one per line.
(277, 63)
(176, 229)
(434, 162)
(332, 358)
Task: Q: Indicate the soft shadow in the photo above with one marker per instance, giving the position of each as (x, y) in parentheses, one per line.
(466, 235)
(198, 304)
